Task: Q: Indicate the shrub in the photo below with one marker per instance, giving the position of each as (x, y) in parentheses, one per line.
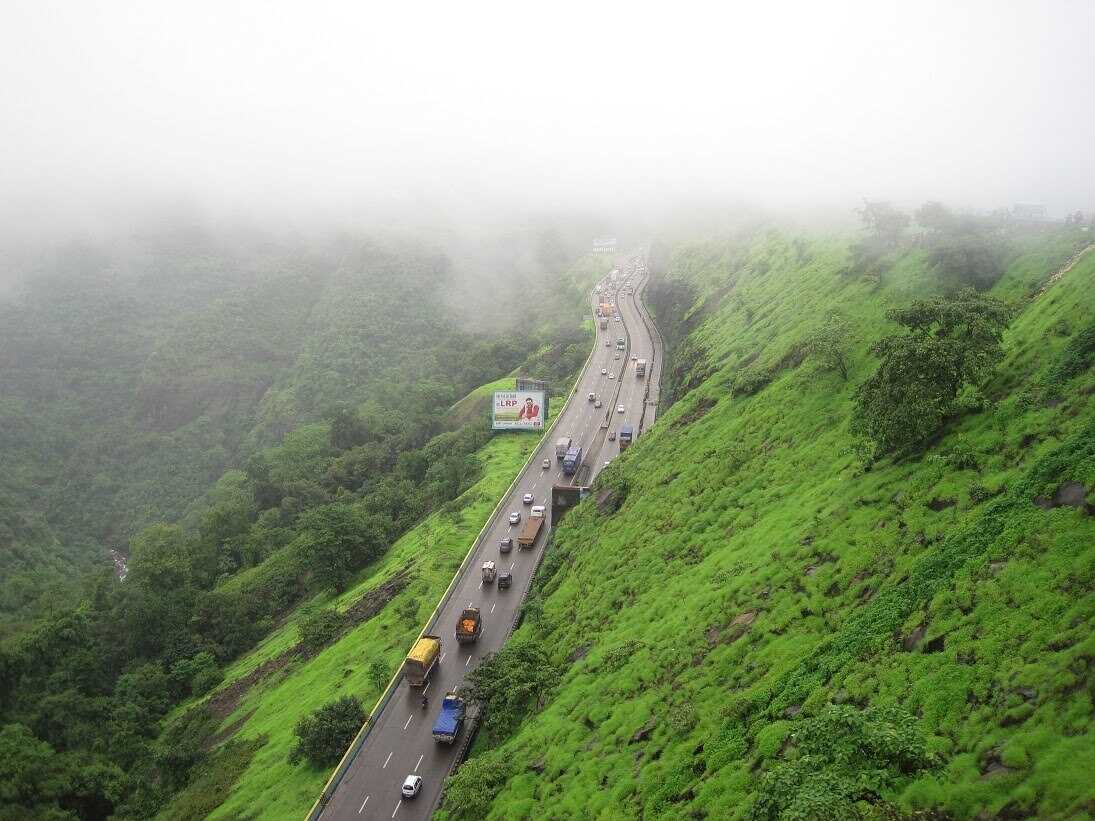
(842, 756)
(323, 736)
(319, 628)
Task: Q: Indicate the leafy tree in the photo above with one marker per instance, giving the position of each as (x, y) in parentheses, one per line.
(30, 773)
(319, 627)
(935, 217)
(883, 221)
(324, 736)
(511, 682)
(968, 261)
(198, 674)
(829, 345)
(470, 792)
(347, 429)
(949, 344)
(340, 540)
(379, 674)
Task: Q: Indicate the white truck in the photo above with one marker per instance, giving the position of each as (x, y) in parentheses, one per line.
(562, 445)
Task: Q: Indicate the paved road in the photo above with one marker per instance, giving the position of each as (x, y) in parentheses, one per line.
(400, 742)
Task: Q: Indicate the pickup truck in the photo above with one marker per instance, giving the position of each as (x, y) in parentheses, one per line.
(421, 660)
(450, 719)
(469, 625)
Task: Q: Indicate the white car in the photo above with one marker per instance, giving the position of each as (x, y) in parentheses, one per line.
(612, 376)
(547, 464)
(619, 409)
(634, 357)
(607, 343)
(591, 396)
(617, 356)
(597, 404)
(604, 371)
(515, 517)
(412, 785)
(527, 499)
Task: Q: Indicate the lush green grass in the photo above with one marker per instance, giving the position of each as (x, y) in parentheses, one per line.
(271, 787)
(757, 590)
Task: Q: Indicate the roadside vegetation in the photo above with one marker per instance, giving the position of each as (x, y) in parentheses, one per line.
(848, 572)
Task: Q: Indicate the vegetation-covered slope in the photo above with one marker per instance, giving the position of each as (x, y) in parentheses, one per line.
(756, 621)
(132, 374)
(371, 450)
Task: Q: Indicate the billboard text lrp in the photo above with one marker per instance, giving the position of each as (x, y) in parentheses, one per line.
(519, 410)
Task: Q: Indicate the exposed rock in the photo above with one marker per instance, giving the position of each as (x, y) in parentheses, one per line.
(994, 766)
(792, 711)
(1072, 494)
(579, 653)
(746, 618)
(811, 570)
(912, 641)
(538, 766)
(1029, 693)
(644, 732)
(940, 504)
(997, 566)
(608, 501)
(1069, 494)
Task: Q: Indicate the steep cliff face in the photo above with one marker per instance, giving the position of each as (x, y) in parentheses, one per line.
(769, 626)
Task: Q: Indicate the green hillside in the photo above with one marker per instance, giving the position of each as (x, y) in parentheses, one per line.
(268, 691)
(753, 619)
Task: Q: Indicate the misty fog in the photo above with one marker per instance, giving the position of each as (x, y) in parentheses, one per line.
(322, 114)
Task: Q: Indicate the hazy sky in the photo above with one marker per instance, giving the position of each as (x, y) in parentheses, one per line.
(329, 108)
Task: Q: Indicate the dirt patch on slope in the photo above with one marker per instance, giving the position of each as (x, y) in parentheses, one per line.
(224, 702)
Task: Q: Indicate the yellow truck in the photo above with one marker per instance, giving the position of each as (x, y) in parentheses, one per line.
(421, 660)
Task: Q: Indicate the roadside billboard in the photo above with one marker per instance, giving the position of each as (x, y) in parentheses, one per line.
(519, 410)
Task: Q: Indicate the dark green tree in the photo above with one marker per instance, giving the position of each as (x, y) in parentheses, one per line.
(830, 344)
(968, 260)
(340, 540)
(379, 673)
(319, 627)
(323, 736)
(511, 682)
(948, 344)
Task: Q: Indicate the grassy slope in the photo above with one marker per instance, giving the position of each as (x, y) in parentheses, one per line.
(755, 511)
(270, 787)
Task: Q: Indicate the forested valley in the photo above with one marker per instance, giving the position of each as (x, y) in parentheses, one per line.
(240, 420)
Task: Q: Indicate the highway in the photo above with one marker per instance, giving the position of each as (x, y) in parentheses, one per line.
(400, 741)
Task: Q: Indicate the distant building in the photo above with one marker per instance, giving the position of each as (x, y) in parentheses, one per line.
(604, 245)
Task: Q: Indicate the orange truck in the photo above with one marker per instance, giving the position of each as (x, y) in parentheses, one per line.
(469, 625)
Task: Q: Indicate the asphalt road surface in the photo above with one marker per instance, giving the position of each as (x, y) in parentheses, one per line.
(401, 742)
